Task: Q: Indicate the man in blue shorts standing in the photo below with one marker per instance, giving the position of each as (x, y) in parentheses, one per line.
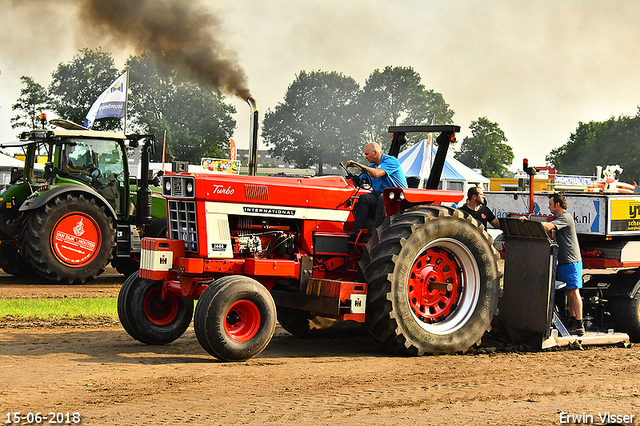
(384, 171)
(569, 259)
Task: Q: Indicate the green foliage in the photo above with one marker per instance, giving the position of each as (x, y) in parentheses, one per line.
(317, 121)
(614, 141)
(486, 149)
(32, 102)
(396, 96)
(326, 118)
(76, 85)
(197, 120)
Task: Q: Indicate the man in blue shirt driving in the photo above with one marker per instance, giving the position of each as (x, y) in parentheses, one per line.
(384, 171)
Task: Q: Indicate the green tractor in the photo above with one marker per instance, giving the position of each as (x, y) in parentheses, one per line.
(67, 219)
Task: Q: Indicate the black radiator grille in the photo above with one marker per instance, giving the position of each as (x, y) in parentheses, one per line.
(183, 224)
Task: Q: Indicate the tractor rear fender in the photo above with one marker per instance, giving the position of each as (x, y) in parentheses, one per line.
(76, 189)
(396, 199)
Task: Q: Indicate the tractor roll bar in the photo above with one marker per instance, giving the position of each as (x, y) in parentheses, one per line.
(447, 136)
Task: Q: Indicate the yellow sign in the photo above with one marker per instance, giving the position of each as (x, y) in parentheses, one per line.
(625, 214)
(625, 209)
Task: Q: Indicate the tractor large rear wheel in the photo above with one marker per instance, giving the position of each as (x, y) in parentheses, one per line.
(235, 318)
(149, 318)
(433, 282)
(625, 309)
(69, 240)
(626, 314)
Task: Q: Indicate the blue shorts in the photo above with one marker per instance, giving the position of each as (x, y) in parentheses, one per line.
(570, 273)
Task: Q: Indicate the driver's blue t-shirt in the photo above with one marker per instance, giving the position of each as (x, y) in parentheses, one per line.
(394, 177)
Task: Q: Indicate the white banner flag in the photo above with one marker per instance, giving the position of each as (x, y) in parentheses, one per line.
(425, 167)
(112, 102)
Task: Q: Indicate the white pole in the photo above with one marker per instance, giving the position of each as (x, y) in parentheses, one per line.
(126, 100)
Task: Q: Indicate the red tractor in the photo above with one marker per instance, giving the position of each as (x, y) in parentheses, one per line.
(254, 250)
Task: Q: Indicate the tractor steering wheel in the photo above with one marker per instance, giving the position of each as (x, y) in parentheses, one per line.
(356, 178)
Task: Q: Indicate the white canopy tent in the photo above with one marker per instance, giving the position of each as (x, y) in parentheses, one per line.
(6, 164)
(8, 161)
(417, 161)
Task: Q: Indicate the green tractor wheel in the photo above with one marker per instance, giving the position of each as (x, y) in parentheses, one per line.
(69, 240)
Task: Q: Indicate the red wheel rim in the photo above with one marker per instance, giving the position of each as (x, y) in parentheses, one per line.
(159, 311)
(433, 270)
(76, 239)
(242, 320)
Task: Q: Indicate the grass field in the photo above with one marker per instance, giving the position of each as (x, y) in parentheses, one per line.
(59, 308)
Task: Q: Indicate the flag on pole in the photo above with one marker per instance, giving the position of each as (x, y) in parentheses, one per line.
(164, 149)
(232, 149)
(111, 103)
(427, 158)
(425, 167)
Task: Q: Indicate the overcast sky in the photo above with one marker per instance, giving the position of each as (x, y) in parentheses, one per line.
(537, 68)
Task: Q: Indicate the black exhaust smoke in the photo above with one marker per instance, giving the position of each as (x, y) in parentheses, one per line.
(182, 36)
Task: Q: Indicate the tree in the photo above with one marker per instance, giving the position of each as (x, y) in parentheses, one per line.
(486, 149)
(31, 103)
(614, 141)
(197, 120)
(76, 85)
(317, 121)
(396, 96)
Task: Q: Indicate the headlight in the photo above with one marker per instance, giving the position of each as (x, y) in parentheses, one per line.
(178, 186)
(392, 195)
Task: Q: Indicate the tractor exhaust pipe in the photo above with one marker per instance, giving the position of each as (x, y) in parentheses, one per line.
(253, 148)
(143, 209)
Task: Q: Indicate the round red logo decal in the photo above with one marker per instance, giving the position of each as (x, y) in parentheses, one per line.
(76, 239)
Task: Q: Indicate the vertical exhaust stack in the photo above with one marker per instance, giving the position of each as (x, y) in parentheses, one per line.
(143, 208)
(253, 148)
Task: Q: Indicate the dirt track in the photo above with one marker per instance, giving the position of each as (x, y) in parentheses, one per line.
(111, 379)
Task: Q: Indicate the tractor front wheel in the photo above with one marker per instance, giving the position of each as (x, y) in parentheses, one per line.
(235, 318)
(433, 282)
(149, 317)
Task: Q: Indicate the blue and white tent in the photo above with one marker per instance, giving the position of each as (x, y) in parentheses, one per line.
(417, 160)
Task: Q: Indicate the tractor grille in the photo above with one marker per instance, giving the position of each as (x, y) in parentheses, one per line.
(182, 223)
(256, 192)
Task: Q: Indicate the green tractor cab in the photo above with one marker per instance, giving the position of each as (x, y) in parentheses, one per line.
(66, 219)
